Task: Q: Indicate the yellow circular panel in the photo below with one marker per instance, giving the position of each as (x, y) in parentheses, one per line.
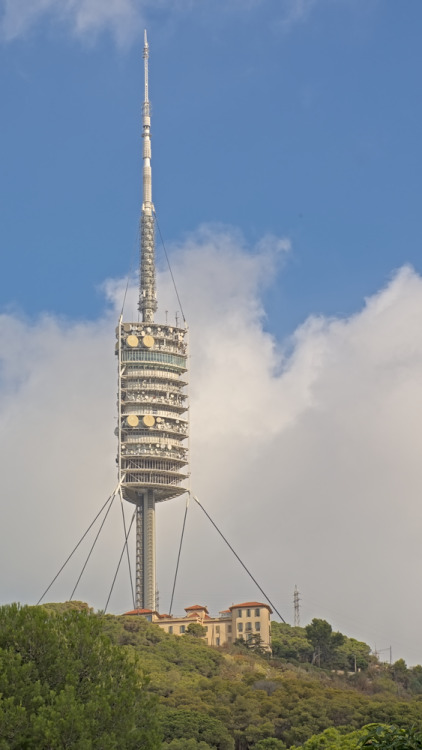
(132, 420)
(132, 340)
(148, 341)
(148, 420)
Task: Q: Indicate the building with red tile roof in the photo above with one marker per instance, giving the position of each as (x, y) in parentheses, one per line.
(250, 604)
(196, 607)
(249, 621)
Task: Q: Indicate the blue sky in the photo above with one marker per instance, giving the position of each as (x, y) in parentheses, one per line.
(287, 183)
(297, 119)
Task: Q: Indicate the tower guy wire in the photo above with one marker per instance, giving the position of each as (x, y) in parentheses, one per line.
(238, 558)
(92, 548)
(109, 499)
(120, 560)
(180, 550)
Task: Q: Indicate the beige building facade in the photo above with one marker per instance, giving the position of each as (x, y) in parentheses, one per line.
(250, 621)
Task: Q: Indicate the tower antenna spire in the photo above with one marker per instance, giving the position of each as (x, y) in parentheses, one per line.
(147, 292)
(146, 56)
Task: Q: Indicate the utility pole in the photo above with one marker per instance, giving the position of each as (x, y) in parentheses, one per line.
(296, 604)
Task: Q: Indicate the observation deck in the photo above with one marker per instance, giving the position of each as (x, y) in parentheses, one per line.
(153, 424)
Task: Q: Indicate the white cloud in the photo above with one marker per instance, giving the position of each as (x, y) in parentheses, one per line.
(85, 18)
(296, 11)
(124, 19)
(307, 454)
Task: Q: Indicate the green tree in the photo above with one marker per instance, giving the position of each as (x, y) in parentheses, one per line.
(354, 655)
(392, 737)
(290, 643)
(185, 724)
(415, 679)
(64, 684)
(401, 673)
(332, 739)
(196, 630)
(187, 745)
(324, 641)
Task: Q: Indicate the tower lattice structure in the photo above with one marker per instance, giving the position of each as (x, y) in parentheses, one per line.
(152, 377)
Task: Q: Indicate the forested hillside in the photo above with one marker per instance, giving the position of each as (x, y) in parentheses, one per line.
(72, 678)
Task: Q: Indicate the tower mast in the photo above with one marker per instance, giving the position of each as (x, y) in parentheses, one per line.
(152, 401)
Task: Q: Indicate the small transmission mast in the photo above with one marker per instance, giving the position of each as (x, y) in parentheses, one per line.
(152, 402)
(296, 605)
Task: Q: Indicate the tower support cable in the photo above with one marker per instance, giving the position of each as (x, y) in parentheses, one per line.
(109, 499)
(180, 550)
(92, 549)
(120, 560)
(238, 558)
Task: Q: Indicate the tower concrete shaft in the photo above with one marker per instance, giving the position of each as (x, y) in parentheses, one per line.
(145, 551)
(152, 423)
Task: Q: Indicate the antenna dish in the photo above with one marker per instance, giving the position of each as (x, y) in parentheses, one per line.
(148, 420)
(132, 340)
(148, 341)
(132, 420)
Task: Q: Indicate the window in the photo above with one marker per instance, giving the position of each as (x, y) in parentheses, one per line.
(248, 626)
(239, 613)
(257, 612)
(170, 628)
(139, 355)
(182, 628)
(217, 628)
(229, 628)
(240, 626)
(248, 613)
(257, 626)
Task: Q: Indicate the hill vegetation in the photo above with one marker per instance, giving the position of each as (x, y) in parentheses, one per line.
(73, 678)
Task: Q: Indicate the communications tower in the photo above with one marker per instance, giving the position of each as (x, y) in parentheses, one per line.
(152, 421)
